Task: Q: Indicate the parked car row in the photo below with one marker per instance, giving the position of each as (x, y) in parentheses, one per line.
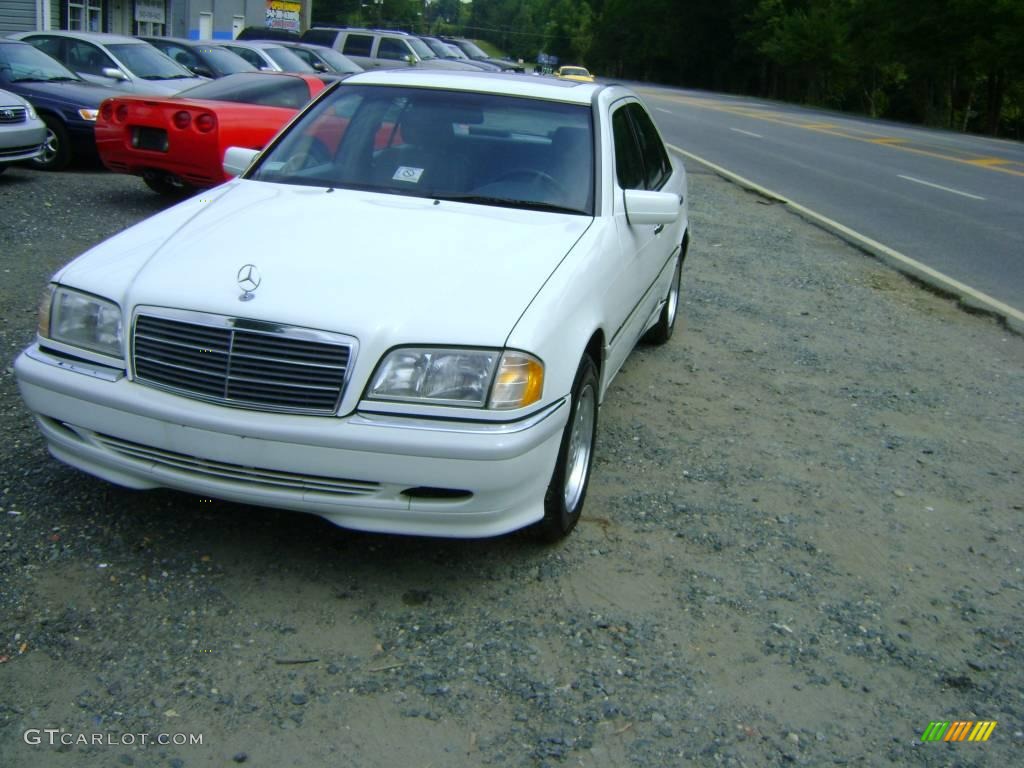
(173, 132)
(66, 76)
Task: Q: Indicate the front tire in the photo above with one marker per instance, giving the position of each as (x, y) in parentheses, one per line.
(167, 186)
(563, 501)
(56, 147)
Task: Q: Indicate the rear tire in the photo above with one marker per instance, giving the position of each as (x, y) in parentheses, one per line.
(661, 331)
(56, 147)
(563, 501)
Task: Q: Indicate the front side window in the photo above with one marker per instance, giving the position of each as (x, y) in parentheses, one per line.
(460, 146)
(629, 166)
(86, 57)
(657, 167)
(392, 49)
(145, 61)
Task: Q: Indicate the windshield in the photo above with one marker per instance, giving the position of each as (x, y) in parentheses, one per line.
(455, 51)
(472, 49)
(146, 62)
(25, 63)
(421, 48)
(436, 46)
(450, 145)
(260, 88)
(287, 60)
(225, 62)
(338, 61)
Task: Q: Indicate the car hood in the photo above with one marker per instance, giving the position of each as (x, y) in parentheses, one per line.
(70, 94)
(386, 269)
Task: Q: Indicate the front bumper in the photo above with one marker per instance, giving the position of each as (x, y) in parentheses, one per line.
(355, 471)
(23, 142)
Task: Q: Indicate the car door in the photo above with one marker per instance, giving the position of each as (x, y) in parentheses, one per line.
(392, 52)
(643, 250)
(658, 176)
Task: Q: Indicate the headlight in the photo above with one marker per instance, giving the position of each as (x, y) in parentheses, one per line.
(88, 114)
(465, 377)
(31, 111)
(81, 320)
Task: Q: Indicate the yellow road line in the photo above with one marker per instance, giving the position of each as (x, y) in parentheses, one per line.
(968, 296)
(988, 163)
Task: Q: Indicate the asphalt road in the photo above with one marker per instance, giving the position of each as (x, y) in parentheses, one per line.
(953, 202)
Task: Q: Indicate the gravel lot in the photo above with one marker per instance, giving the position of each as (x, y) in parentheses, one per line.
(802, 544)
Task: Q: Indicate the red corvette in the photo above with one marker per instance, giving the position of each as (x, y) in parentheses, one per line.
(177, 144)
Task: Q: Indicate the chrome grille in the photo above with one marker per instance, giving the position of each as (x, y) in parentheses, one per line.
(13, 115)
(219, 470)
(241, 363)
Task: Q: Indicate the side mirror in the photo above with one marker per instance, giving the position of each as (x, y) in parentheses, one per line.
(237, 159)
(113, 73)
(644, 207)
(202, 71)
(409, 59)
(319, 66)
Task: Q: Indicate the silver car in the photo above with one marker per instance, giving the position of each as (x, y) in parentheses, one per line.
(123, 63)
(21, 131)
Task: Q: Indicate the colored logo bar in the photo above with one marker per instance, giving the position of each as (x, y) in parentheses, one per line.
(958, 730)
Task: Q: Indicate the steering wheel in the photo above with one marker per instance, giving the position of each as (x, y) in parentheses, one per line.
(315, 154)
(531, 175)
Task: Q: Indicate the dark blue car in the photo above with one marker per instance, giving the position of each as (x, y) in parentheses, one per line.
(64, 101)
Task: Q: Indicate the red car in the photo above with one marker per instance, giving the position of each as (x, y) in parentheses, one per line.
(177, 144)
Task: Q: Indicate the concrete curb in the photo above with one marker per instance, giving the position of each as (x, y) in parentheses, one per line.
(969, 297)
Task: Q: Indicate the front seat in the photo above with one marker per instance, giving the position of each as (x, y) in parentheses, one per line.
(428, 159)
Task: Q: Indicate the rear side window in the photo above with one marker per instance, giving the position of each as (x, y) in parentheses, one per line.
(358, 45)
(320, 36)
(657, 167)
(629, 165)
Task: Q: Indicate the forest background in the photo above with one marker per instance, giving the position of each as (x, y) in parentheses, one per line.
(956, 64)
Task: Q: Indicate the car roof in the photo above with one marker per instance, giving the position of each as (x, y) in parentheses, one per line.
(92, 37)
(185, 41)
(250, 43)
(484, 82)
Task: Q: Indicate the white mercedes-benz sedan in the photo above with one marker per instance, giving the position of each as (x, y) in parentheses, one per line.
(402, 315)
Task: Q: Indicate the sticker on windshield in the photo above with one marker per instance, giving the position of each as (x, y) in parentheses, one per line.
(405, 173)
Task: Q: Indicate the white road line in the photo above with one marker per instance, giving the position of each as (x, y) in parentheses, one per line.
(747, 133)
(971, 297)
(939, 186)
(666, 111)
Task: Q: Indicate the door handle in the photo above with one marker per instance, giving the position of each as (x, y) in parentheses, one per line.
(657, 229)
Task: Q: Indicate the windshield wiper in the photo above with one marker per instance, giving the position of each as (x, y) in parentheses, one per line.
(530, 205)
(166, 77)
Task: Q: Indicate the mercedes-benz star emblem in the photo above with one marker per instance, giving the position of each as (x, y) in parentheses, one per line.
(248, 280)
